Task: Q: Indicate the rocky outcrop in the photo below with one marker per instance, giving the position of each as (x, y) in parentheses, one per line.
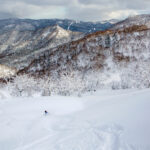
(6, 72)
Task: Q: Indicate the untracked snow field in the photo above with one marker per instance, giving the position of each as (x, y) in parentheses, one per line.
(104, 120)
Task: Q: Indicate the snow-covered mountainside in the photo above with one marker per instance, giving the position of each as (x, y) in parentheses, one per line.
(133, 20)
(106, 120)
(121, 57)
(104, 50)
(21, 40)
(18, 48)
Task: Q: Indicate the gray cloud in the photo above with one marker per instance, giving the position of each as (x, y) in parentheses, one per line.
(74, 9)
(128, 4)
(47, 2)
(4, 15)
(37, 2)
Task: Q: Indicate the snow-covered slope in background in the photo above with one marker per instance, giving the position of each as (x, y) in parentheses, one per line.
(19, 48)
(124, 54)
(21, 40)
(133, 20)
(106, 120)
(93, 51)
(55, 52)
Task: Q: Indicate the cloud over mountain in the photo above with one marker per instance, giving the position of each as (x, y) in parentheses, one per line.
(74, 9)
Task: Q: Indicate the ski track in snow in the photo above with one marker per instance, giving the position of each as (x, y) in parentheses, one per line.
(106, 138)
(68, 130)
(87, 137)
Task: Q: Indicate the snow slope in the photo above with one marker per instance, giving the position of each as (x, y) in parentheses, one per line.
(105, 120)
(143, 19)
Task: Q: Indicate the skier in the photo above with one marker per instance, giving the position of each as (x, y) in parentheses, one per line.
(46, 112)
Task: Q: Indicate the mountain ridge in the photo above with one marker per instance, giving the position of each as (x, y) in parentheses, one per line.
(114, 51)
(133, 20)
(67, 24)
(16, 45)
(93, 47)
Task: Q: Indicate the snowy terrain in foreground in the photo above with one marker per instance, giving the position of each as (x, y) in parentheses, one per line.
(105, 120)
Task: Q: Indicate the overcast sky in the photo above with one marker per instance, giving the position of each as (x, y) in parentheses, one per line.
(87, 10)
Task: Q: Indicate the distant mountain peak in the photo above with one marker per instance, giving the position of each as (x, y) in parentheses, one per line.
(143, 19)
(112, 21)
(75, 26)
(62, 32)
